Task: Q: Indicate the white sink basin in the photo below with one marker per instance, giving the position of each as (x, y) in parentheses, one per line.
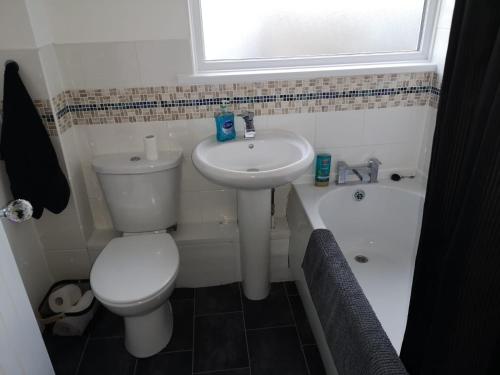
(254, 166)
(272, 158)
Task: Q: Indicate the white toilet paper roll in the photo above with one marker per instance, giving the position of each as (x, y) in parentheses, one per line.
(62, 299)
(150, 147)
(83, 303)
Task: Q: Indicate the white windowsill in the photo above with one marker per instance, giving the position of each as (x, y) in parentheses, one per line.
(235, 76)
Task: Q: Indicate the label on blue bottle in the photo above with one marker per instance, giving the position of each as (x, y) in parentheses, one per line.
(227, 127)
(323, 163)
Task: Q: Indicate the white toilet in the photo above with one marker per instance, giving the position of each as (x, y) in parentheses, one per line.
(135, 274)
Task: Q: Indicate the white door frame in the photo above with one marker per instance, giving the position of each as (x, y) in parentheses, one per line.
(22, 350)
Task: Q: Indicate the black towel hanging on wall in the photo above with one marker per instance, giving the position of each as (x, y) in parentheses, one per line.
(25, 146)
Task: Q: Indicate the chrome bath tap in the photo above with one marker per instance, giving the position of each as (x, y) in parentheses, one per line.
(367, 173)
(249, 127)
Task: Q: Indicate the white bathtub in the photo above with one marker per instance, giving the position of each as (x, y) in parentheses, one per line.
(383, 227)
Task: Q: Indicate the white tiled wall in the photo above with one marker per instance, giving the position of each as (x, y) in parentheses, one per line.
(30, 70)
(149, 46)
(15, 27)
(425, 152)
(69, 264)
(394, 135)
(439, 51)
(64, 236)
(18, 43)
(117, 20)
(123, 64)
(442, 34)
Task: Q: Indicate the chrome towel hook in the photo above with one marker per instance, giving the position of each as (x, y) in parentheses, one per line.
(18, 210)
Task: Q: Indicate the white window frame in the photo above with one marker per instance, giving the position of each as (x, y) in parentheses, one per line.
(202, 66)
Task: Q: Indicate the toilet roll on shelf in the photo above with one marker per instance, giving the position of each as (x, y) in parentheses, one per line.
(70, 305)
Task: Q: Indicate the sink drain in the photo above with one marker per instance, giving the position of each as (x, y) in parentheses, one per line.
(361, 259)
(359, 195)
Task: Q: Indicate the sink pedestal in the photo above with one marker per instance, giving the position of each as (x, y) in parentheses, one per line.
(254, 166)
(254, 222)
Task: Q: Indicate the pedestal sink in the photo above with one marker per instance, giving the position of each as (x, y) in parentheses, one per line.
(254, 166)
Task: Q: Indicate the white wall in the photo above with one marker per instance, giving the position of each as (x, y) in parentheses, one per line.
(426, 149)
(123, 64)
(394, 135)
(35, 23)
(30, 70)
(440, 48)
(18, 43)
(444, 18)
(41, 25)
(15, 27)
(101, 46)
(67, 234)
(113, 43)
(76, 21)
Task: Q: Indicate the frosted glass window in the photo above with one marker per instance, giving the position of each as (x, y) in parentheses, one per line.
(270, 29)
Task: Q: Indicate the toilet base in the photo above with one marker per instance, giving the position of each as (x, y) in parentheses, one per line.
(148, 334)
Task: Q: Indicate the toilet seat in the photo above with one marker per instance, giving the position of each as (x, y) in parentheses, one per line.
(134, 269)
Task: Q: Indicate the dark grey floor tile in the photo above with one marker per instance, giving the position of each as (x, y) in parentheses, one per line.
(240, 371)
(274, 311)
(291, 288)
(220, 342)
(314, 361)
(275, 351)
(106, 356)
(182, 293)
(178, 363)
(305, 333)
(182, 336)
(107, 324)
(218, 299)
(65, 352)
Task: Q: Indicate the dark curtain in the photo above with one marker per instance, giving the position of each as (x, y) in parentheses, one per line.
(454, 318)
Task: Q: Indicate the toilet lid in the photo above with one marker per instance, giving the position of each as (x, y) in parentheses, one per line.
(131, 269)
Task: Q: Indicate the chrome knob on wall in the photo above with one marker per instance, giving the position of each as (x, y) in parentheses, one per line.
(18, 210)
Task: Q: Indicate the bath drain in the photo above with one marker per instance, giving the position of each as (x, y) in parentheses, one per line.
(361, 259)
(359, 195)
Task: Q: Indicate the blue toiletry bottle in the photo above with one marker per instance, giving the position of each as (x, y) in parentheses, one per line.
(224, 120)
(323, 164)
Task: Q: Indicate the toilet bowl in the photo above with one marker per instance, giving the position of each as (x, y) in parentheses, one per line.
(133, 277)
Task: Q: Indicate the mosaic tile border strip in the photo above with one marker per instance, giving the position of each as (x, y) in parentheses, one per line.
(166, 103)
(242, 100)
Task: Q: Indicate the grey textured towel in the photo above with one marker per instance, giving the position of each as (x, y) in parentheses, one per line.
(358, 343)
